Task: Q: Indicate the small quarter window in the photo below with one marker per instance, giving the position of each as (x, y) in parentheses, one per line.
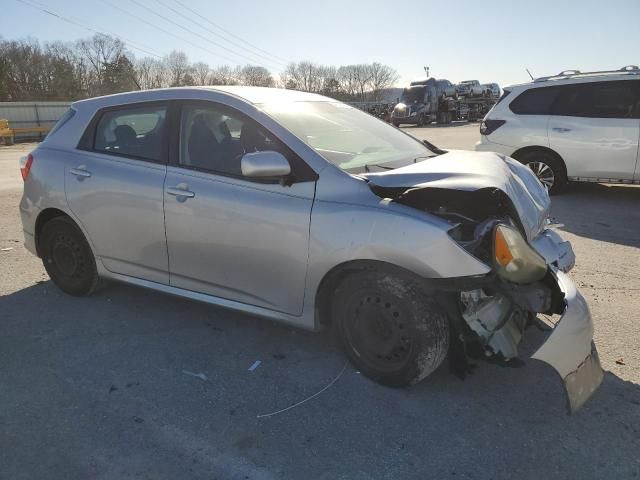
(137, 132)
(68, 115)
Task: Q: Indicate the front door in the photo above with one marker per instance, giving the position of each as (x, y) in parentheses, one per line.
(595, 127)
(114, 186)
(230, 236)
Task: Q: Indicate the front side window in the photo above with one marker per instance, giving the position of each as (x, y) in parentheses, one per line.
(535, 101)
(137, 132)
(346, 136)
(597, 100)
(214, 139)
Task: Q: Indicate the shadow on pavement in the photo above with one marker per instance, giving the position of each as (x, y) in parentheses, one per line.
(96, 388)
(602, 212)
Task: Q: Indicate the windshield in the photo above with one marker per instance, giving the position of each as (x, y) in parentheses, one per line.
(412, 94)
(346, 136)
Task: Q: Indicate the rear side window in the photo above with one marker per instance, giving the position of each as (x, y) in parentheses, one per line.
(137, 132)
(66, 116)
(535, 101)
(598, 100)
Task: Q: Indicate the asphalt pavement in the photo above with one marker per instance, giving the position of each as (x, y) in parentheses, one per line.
(130, 383)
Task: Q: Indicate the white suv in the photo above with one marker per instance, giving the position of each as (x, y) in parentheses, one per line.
(573, 126)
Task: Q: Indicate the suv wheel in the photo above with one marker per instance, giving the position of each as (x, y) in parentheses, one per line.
(67, 257)
(548, 168)
(391, 329)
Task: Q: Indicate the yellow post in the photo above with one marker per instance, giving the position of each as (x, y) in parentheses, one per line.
(6, 132)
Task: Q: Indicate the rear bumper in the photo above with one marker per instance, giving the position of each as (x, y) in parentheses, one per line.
(570, 349)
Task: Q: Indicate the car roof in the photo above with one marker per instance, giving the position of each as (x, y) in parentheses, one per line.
(629, 72)
(252, 95)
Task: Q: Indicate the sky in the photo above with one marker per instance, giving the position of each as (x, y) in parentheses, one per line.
(491, 41)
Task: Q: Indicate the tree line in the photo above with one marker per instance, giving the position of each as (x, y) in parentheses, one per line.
(102, 65)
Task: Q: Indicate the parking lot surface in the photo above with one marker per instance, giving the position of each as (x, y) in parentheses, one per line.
(130, 383)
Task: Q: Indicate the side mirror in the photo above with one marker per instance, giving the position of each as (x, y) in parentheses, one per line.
(264, 165)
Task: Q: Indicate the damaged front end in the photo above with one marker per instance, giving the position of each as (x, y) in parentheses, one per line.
(528, 281)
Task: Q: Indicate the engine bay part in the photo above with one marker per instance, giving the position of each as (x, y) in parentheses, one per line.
(498, 323)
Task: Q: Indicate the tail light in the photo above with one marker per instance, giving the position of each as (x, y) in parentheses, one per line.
(487, 127)
(25, 166)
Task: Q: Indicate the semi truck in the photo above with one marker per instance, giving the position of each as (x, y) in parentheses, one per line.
(438, 100)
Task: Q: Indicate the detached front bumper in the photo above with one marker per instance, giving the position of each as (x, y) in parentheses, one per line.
(569, 349)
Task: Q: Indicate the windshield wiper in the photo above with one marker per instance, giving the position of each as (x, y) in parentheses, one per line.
(367, 167)
(433, 148)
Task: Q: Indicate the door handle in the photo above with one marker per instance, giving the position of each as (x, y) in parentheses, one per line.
(560, 129)
(179, 191)
(80, 172)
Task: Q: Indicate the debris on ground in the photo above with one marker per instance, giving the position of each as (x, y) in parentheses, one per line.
(308, 398)
(6, 249)
(200, 375)
(255, 365)
(620, 361)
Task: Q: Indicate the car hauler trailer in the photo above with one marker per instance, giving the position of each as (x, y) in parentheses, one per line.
(438, 100)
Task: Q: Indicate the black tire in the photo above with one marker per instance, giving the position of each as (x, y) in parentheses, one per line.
(549, 169)
(67, 257)
(390, 327)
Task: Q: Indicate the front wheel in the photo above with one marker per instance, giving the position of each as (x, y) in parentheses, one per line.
(67, 257)
(391, 329)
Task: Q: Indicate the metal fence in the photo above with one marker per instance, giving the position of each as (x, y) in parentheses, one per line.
(32, 114)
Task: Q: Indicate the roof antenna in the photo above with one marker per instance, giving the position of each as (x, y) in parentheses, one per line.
(529, 74)
(426, 70)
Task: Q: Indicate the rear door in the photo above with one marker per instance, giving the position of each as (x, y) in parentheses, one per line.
(114, 185)
(231, 236)
(595, 128)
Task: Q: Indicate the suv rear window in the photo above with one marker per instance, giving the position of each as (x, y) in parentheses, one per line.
(135, 132)
(535, 101)
(598, 100)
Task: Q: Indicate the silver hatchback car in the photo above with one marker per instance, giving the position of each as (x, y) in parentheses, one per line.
(302, 209)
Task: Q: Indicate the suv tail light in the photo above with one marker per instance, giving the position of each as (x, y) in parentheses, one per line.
(487, 127)
(25, 166)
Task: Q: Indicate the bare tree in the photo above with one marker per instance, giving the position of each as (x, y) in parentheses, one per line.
(177, 65)
(99, 51)
(382, 77)
(101, 64)
(224, 75)
(307, 76)
(201, 72)
(256, 76)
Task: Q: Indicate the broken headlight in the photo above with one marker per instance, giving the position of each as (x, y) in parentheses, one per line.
(514, 259)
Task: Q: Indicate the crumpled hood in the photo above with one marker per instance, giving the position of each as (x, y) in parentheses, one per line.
(470, 171)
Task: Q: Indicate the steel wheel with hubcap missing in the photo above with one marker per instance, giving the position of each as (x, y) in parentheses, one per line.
(391, 329)
(67, 257)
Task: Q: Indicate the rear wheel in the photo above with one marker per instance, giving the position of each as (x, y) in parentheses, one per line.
(548, 168)
(67, 257)
(391, 329)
